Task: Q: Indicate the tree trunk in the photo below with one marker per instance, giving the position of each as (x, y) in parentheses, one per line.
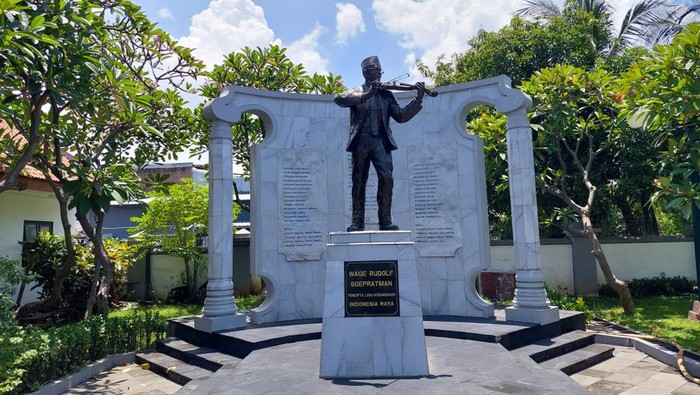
(631, 222)
(188, 278)
(618, 285)
(104, 267)
(105, 284)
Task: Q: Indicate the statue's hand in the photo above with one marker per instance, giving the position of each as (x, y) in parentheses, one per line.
(421, 90)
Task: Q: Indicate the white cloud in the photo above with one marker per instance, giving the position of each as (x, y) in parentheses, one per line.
(305, 51)
(430, 28)
(348, 22)
(165, 13)
(229, 25)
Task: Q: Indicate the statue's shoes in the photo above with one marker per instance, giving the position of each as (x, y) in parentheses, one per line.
(355, 228)
(389, 227)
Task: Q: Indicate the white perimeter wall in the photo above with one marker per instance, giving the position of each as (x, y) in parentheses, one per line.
(628, 260)
(165, 274)
(17, 207)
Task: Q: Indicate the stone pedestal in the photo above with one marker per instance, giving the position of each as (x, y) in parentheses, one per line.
(372, 319)
(694, 314)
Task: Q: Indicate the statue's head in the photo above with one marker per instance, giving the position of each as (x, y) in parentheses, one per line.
(372, 69)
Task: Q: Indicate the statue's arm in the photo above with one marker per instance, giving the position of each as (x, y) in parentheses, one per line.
(405, 114)
(349, 98)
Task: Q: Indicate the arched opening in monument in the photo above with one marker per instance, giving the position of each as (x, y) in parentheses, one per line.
(496, 284)
(254, 126)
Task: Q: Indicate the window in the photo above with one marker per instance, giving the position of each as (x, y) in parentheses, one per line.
(32, 229)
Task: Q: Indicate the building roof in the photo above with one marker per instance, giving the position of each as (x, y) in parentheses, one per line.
(28, 172)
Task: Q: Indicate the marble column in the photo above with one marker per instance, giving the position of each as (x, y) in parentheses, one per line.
(530, 303)
(220, 312)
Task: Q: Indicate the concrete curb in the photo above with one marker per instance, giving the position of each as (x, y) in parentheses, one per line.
(655, 351)
(65, 383)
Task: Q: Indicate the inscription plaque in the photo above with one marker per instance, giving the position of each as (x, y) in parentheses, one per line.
(303, 206)
(434, 198)
(371, 289)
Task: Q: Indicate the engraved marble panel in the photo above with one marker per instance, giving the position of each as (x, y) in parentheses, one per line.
(303, 207)
(434, 183)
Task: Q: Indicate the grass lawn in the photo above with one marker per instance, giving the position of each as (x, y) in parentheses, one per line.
(180, 310)
(164, 310)
(661, 316)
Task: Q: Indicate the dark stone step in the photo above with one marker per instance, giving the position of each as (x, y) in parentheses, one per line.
(580, 359)
(547, 349)
(204, 357)
(172, 369)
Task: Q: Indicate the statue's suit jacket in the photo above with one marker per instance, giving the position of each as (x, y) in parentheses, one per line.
(388, 106)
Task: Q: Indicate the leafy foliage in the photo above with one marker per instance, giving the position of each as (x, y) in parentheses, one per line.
(33, 356)
(43, 256)
(560, 297)
(663, 97)
(523, 47)
(100, 80)
(174, 221)
(656, 286)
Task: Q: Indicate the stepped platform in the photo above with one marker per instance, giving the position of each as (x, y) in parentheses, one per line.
(465, 354)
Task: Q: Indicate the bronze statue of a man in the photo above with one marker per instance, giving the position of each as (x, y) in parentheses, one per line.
(371, 140)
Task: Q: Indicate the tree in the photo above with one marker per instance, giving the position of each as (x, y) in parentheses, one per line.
(523, 47)
(684, 13)
(260, 68)
(663, 97)
(519, 50)
(174, 220)
(637, 25)
(106, 93)
(47, 50)
(577, 121)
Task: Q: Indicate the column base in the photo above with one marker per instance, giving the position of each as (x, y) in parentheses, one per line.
(540, 316)
(219, 324)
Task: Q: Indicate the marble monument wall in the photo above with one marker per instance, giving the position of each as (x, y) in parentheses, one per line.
(300, 189)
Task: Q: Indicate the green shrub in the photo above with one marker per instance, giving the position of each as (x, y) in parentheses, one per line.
(43, 256)
(657, 286)
(31, 356)
(560, 297)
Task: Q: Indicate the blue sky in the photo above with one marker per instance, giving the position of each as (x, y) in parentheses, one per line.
(328, 36)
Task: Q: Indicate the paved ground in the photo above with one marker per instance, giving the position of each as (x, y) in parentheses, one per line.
(630, 372)
(126, 379)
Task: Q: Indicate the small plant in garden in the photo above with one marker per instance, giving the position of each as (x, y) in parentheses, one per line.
(174, 221)
(43, 256)
(32, 356)
(559, 297)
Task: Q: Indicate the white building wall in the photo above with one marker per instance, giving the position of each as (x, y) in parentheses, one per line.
(17, 207)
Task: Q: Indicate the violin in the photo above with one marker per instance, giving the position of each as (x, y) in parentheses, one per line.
(405, 87)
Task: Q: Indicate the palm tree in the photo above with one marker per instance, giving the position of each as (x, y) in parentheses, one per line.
(638, 24)
(664, 31)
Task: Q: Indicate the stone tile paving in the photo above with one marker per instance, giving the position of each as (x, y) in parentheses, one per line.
(456, 367)
(632, 372)
(126, 379)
